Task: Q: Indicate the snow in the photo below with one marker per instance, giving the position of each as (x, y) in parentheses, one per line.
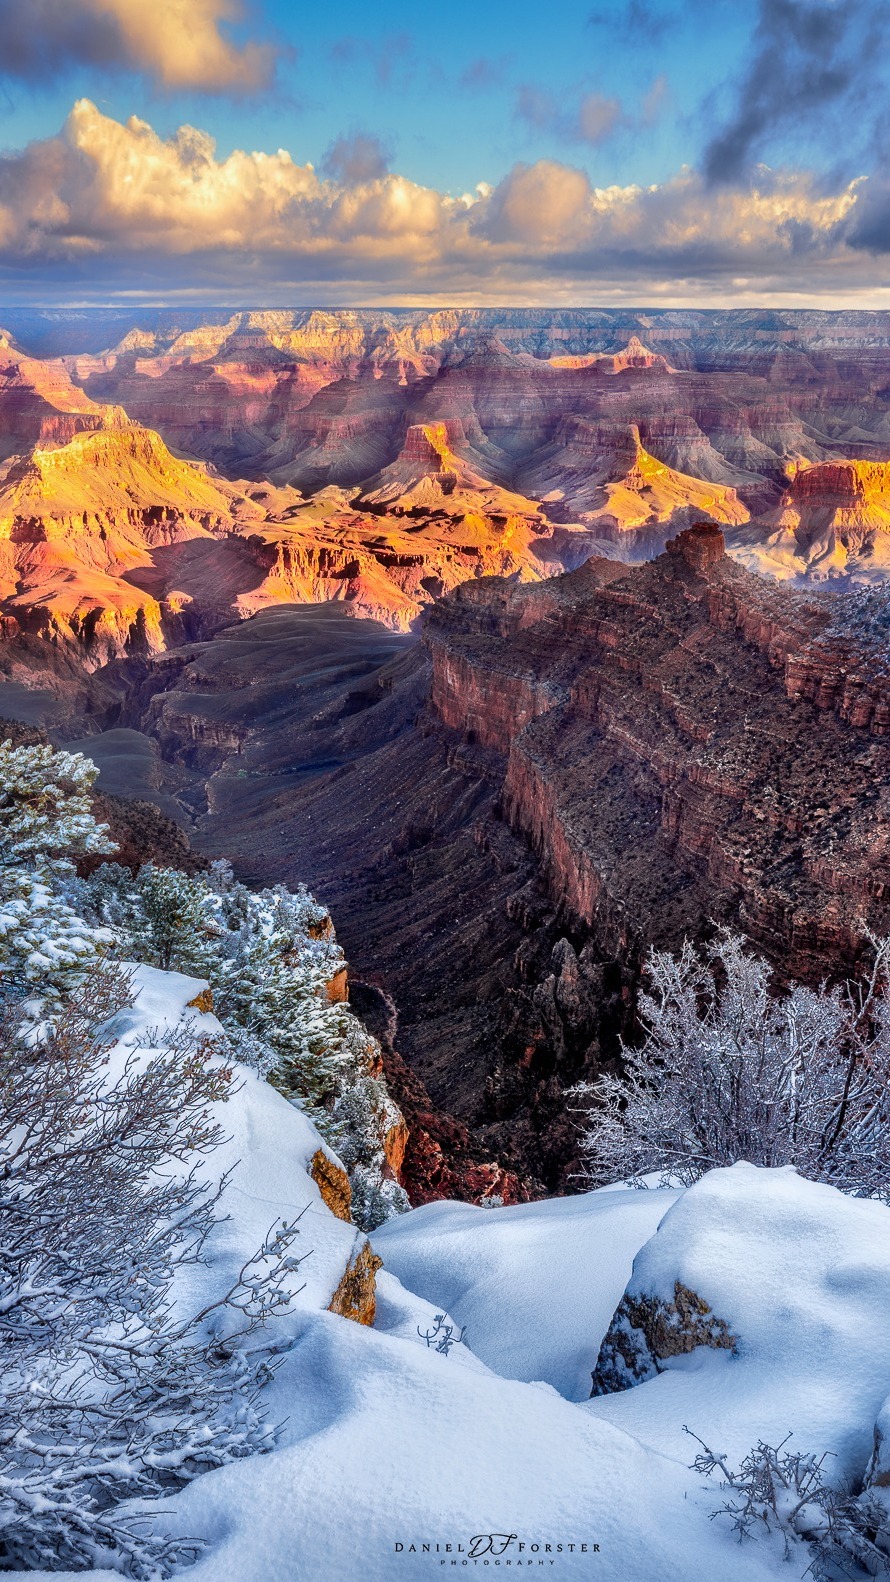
(535, 1284)
(385, 1441)
(267, 1149)
(391, 1443)
(801, 1275)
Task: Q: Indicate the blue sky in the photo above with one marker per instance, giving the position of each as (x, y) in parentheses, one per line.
(442, 87)
(741, 148)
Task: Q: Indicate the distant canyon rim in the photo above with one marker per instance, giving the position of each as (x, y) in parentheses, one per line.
(510, 632)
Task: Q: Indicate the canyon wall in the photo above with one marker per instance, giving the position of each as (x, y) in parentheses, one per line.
(683, 743)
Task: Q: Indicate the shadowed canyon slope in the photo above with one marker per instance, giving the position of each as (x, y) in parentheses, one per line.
(505, 817)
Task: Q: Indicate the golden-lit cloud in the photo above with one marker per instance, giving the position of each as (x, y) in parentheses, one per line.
(178, 43)
(115, 203)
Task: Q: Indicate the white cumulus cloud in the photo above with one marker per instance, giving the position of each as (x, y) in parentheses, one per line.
(113, 205)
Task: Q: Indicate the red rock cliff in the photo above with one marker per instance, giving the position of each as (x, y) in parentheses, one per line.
(683, 742)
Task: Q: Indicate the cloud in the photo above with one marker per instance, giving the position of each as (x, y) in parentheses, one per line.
(178, 43)
(871, 230)
(541, 203)
(637, 19)
(109, 205)
(809, 58)
(639, 23)
(357, 158)
(655, 101)
(484, 73)
(593, 120)
(390, 57)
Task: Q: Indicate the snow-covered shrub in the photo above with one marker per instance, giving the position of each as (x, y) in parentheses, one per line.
(786, 1492)
(107, 1392)
(729, 1071)
(46, 820)
(270, 957)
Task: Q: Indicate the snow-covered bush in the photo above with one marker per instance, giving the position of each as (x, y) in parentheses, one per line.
(46, 820)
(786, 1492)
(270, 957)
(108, 1392)
(729, 1071)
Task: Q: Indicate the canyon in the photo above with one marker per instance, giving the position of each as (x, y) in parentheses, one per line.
(507, 816)
(206, 466)
(506, 632)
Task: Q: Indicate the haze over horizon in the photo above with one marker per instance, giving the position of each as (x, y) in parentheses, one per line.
(641, 153)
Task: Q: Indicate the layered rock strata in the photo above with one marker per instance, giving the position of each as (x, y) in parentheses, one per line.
(681, 743)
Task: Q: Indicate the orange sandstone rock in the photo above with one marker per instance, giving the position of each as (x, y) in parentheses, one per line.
(356, 1295)
(332, 1183)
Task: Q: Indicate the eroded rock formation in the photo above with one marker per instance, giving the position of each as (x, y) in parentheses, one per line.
(356, 1295)
(647, 1330)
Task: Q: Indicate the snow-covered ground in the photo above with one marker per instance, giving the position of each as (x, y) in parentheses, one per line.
(387, 1442)
(535, 1285)
(801, 1275)
(267, 1149)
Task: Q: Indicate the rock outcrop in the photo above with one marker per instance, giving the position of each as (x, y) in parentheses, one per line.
(333, 1184)
(647, 1330)
(833, 521)
(356, 1295)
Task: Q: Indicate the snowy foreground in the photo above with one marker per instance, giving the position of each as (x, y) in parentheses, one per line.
(389, 1443)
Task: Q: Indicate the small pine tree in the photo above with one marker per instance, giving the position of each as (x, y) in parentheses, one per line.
(46, 815)
(46, 821)
(269, 956)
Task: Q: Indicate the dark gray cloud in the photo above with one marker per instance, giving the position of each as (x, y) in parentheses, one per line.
(391, 57)
(636, 19)
(811, 63)
(356, 158)
(642, 22)
(870, 231)
(41, 41)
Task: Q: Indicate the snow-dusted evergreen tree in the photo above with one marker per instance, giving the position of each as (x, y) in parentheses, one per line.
(107, 1393)
(46, 820)
(166, 918)
(270, 958)
(728, 1070)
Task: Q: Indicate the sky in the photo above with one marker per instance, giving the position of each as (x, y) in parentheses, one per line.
(585, 152)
